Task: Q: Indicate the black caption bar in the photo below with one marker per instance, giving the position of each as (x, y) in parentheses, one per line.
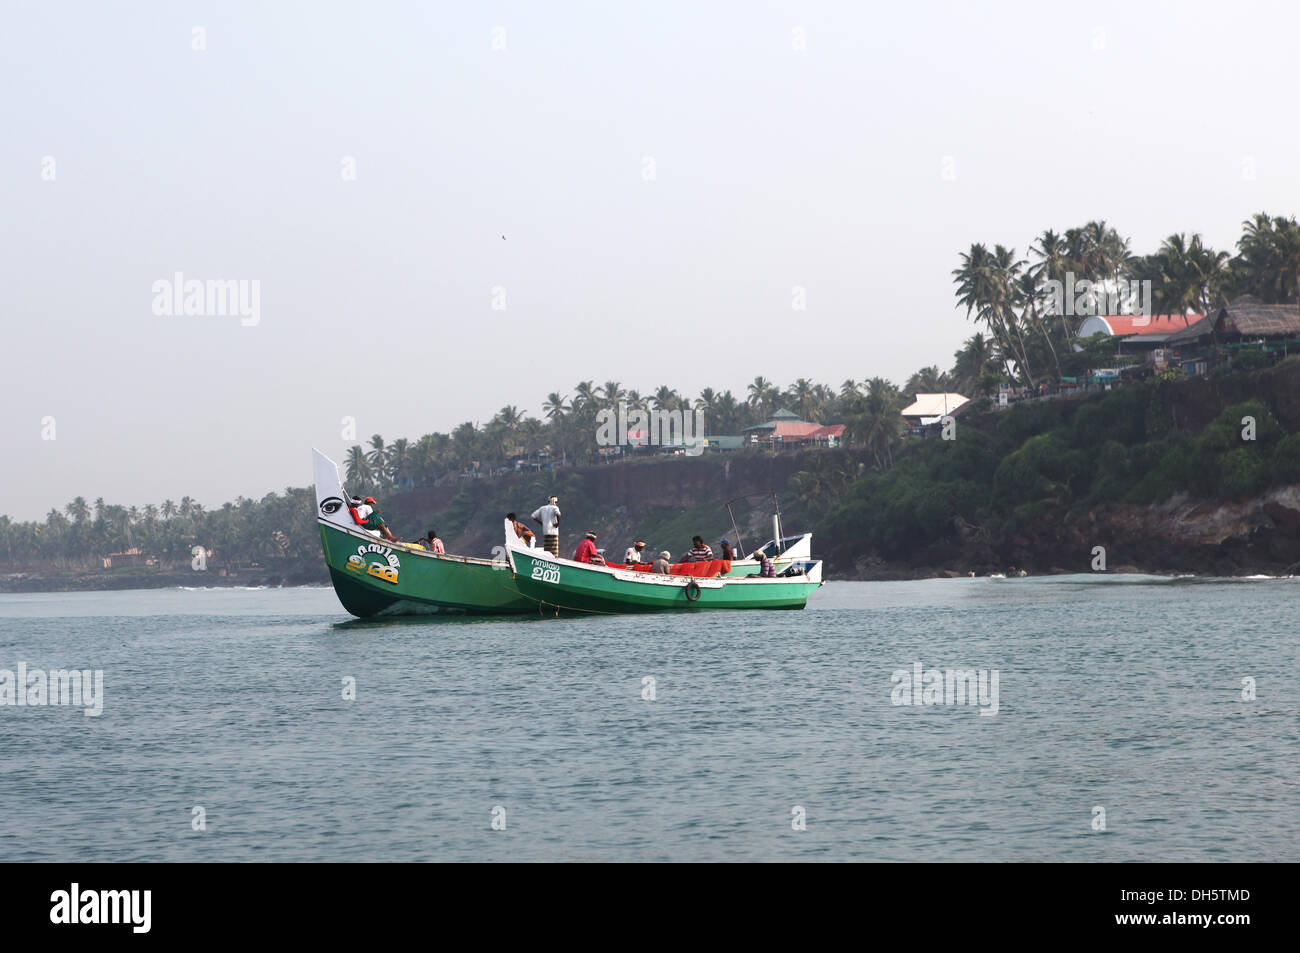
(143, 902)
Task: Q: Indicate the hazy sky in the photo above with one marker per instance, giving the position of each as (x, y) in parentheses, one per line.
(772, 167)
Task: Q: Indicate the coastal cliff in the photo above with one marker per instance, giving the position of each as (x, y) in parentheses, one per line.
(1199, 476)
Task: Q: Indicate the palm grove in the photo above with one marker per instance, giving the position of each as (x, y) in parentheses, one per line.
(1019, 341)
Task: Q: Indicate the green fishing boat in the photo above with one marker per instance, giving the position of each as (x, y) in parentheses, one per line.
(374, 577)
(555, 585)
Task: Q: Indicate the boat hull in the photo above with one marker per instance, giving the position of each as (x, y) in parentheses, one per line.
(563, 585)
(372, 578)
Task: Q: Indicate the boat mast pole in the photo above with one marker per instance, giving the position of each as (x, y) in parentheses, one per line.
(777, 524)
(740, 546)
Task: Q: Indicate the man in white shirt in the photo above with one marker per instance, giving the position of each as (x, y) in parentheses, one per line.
(549, 518)
(633, 554)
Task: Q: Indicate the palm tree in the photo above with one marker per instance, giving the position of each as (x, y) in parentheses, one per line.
(360, 474)
(666, 398)
(611, 391)
(1008, 279)
(974, 364)
(1027, 293)
(584, 393)
(1211, 270)
(399, 458)
(1185, 276)
(510, 416)
(1053, 265)
(378, 457)
(78, 510)
(983, 287)
(727, 412)
(507, 422)
(801, 392)
(875, 423)
(554, 407)
(1104, 253)
(1268, 258)
(464, 439)
(928, 380)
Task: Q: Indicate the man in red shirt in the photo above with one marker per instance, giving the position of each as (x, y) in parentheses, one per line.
(586, 552)
(366, 515)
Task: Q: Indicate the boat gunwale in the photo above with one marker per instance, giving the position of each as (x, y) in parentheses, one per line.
(659, 579)
(408, 547)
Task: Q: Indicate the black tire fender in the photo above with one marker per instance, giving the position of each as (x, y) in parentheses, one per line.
(692, 591)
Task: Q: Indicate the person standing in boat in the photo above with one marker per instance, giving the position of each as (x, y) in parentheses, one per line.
(662, 565)
(633, 555)
(726, 553)
(586, 552)
(548, 517)
(435, 544)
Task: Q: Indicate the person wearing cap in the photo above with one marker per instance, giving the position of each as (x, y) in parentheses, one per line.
(726, 554)
(549, 518)
(586, 551)
(359, 511)
(365, 513)
(633, 555)
(367, 516)
(662, 565)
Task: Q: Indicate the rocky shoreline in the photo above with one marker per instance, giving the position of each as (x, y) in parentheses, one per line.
(1181, 536)
(89, 580)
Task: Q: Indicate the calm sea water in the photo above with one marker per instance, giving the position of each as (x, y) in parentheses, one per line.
(1120, 693)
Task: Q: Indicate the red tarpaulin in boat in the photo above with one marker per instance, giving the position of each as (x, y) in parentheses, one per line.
(705, 570)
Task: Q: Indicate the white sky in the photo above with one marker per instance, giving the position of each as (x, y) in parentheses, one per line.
(774, 168)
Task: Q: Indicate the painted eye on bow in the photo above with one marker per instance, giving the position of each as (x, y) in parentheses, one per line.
(331, 505)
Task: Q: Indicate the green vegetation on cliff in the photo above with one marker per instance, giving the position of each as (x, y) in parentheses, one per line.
(1004, 471)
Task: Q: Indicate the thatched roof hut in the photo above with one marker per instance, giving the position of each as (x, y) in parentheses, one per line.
(1247, 317)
